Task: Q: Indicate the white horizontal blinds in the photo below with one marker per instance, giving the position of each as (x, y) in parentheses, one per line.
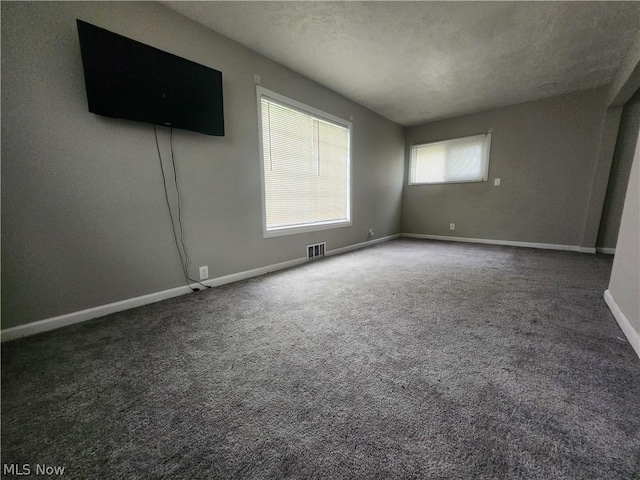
(461, 160)
(332, 195)
(306, 165)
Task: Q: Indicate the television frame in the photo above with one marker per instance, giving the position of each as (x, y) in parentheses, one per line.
(131, 80)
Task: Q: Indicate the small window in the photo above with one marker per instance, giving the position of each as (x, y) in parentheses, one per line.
(306, 156)
(451, 161)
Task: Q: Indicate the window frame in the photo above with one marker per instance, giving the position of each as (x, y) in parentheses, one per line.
(486, 153)
(320, 115)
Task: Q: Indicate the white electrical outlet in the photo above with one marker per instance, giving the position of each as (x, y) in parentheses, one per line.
(496, 181)
(371, 232)
(204, 272)
(452, 226)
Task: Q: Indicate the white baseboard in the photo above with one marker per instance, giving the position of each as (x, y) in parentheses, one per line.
(625, 325)
(546, 246)
(52, 323)
(349, 248)
(608, 251)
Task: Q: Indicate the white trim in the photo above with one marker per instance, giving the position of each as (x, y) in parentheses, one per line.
(301, 107)
(625, 325)
(60, 321)
(52, 323)
(315, 227)
(487, 156)
(102, 310)
(607, 251)
(545, 246)
(349, 248)
(263, 187)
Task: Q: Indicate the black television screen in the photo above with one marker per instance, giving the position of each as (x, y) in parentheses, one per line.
(128, 79)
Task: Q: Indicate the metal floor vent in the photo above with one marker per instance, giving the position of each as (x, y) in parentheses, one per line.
(316, 250)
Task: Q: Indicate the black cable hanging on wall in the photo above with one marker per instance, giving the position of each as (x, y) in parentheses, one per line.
(179, 241)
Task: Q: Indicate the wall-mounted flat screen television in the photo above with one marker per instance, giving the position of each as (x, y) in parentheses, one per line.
(130, 80)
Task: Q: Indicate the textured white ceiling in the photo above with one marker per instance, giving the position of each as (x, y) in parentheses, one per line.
(419, 61)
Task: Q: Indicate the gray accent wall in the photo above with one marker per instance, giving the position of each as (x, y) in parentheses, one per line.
(546, 154)
(619, 176)
(84, 220)
(624, 285)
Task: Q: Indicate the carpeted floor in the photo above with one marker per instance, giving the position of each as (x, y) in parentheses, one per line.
(409, 359)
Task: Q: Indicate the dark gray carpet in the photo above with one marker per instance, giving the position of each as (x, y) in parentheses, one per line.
(409, 359)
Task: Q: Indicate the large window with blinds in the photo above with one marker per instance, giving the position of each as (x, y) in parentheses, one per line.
(306, 166)
(458, 160)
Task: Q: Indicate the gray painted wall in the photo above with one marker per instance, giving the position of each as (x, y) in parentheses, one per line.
(84, 221)
(619, 176)
(546, 154)
(625, 275)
